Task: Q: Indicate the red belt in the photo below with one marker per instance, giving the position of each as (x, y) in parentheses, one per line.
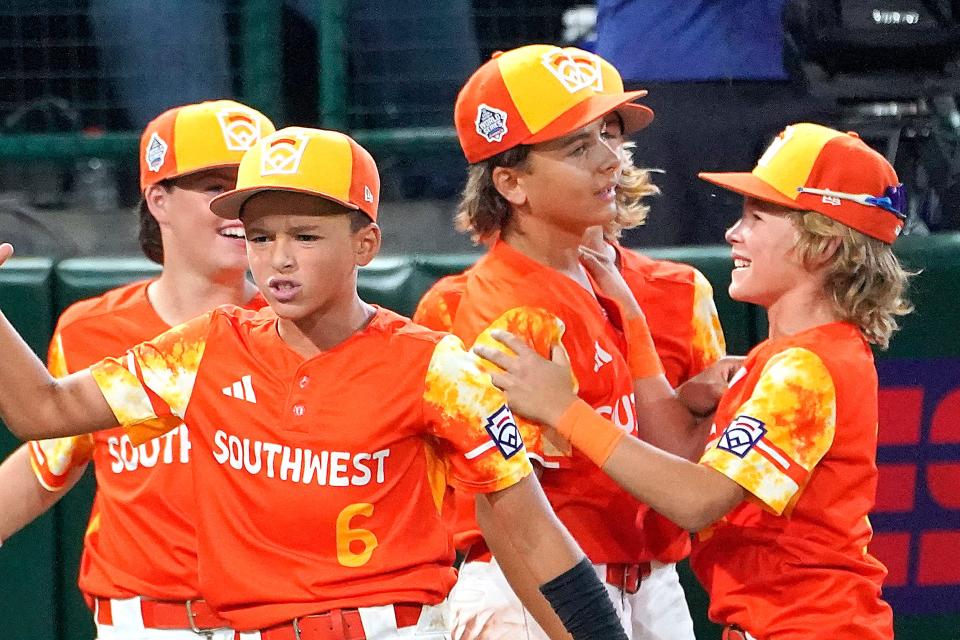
(162, 614)
(338, 624)
(627, 577)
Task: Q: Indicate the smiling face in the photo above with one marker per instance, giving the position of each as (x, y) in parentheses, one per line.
(766, 265)
(304, 251)
(571, 182)
(191, 233)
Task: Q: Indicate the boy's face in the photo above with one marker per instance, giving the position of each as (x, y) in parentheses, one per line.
(571, 181)
(766, 265)
(303, 253)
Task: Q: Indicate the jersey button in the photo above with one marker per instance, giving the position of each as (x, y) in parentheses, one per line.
(299, 410)
(304, 381)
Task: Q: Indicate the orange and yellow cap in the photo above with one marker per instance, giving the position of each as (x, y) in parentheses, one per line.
(198, 137)
(326, 164)
(810, 167)
(537, 93)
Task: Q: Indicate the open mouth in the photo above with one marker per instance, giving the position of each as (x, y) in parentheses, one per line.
(740, 263)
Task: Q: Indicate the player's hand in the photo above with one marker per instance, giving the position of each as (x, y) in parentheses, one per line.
(6, 250)
(603, 269)
(536, 388)
(701, 393)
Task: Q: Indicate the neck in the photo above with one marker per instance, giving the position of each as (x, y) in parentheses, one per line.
(181, 294)
(325, 329)
(800, 309)
(553, 246)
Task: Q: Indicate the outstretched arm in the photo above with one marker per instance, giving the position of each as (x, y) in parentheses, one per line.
(22, 498)
(689, 494)
(34, 404)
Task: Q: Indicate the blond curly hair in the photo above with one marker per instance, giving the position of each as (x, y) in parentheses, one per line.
(864, 279)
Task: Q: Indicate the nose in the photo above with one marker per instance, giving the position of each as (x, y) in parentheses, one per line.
(281, 257)
(609, 160)
(732, 234)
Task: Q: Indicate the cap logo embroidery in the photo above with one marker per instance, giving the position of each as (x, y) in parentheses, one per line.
(775, 147)
(156, 152)
(491, 123)
(575, 72)
(241, 129)
(367, 194)
(283, 155)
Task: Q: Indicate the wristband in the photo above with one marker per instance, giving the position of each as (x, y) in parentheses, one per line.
(589, 432)
(642, 356)
(582, 604)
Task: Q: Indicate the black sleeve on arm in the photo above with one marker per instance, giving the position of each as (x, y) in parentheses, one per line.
(581, 602)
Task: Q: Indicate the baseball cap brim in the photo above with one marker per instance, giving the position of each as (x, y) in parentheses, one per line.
(596, 106)
(635, 117)
(747, 184)
(228, 205)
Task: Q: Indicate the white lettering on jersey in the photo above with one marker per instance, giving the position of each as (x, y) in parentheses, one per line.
(160, 450)
(600, 358)
(623, 413)
(299, 465)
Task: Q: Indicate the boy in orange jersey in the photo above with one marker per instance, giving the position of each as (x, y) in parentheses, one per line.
(678, 302)
(544, 169)
(781, 495)
(188, 155)
(323, 428)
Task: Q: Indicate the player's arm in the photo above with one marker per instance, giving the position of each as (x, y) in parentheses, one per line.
(513, 563)
(23, 499)
(664, 419)
(35, 405)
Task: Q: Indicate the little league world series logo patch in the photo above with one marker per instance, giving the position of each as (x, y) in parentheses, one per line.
(574, 71)
(283, 155)
(241, 129)
(156, 152)
(503, 429)
(491, 123)
(742, 435)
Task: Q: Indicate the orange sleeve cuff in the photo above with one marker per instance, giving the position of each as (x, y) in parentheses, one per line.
(589, 432)
(642, 356)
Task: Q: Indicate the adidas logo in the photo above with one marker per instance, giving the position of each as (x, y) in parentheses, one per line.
(242, 389)
(600, 358)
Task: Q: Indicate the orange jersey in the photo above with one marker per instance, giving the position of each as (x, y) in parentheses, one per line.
(800, 435)
(144, 494)
(320, 479)
(678, 302)
(507, 290)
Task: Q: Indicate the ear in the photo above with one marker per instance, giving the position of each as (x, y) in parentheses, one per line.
(366, 243)
(157, 198)
(509, 183)
(829, 250)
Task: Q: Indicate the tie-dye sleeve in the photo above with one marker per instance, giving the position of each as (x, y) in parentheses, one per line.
(149, 388)
(53, 459)
(781, 432)
(708, 344)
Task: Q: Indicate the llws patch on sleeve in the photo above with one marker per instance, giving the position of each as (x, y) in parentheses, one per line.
(742, 435)
(503, 429)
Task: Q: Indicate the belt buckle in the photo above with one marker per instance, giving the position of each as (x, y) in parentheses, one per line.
(191, 619)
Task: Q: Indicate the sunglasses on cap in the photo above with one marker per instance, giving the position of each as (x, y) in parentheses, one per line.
(894, 199)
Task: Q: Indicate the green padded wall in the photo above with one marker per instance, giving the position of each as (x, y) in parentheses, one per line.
(386, 282)
(28, 561)
(78, 279)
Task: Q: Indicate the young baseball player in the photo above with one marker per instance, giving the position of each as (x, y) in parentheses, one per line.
(323, 429)
(188, 155)
(532, 123)
(683, 321)
(781, 496)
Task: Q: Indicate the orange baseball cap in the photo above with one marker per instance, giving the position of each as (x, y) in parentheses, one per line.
(326, 164)
(810, 167)
(537, 93)
(198, 137)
